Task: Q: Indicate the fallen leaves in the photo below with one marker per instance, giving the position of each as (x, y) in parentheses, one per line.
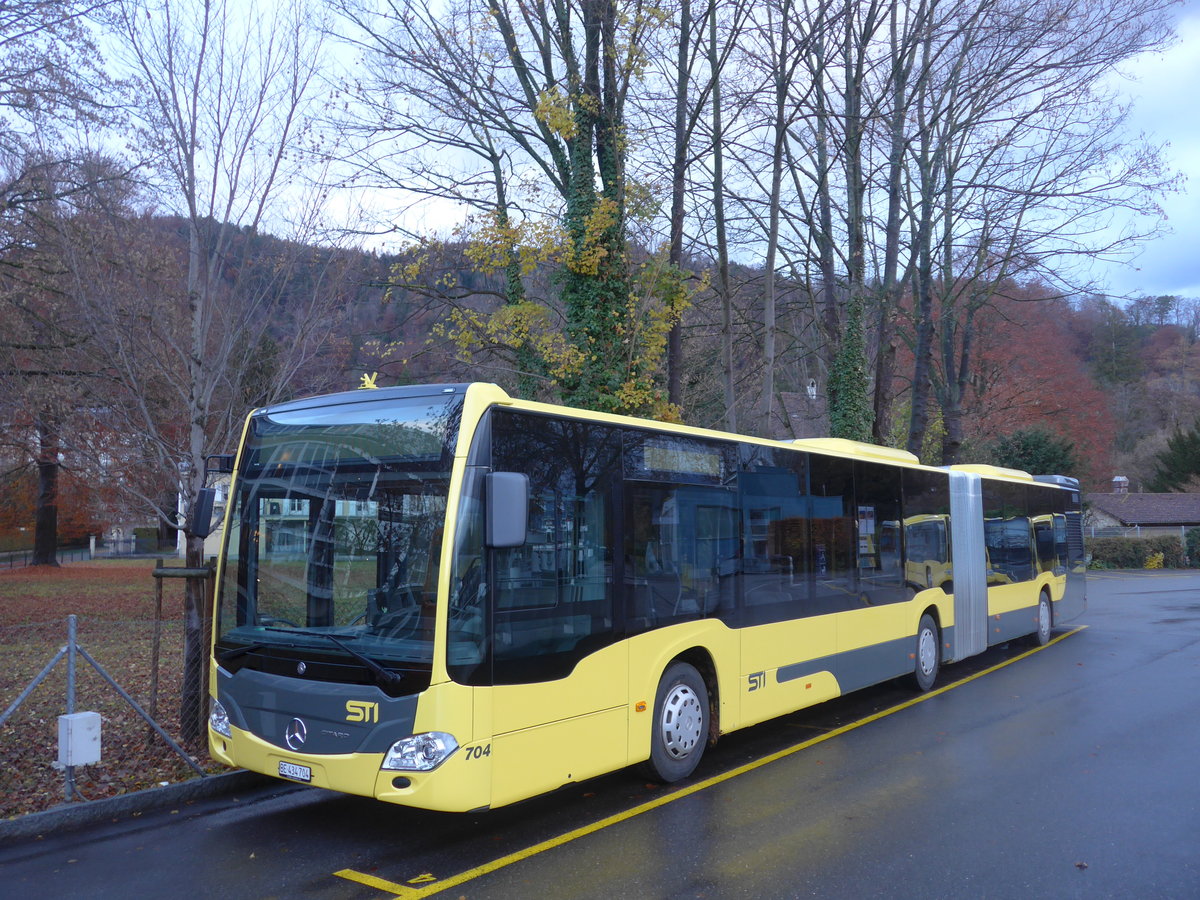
(114, 603)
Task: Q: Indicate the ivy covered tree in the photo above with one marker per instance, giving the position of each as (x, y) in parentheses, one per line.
(518, 113)
(1036, 451)
(851, 413)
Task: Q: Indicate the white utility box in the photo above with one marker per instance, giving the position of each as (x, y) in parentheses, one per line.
(79, 739)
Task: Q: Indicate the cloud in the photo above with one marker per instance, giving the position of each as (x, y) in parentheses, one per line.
(1163, 87)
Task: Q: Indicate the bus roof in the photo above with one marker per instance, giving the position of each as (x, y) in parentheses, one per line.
(482, 394)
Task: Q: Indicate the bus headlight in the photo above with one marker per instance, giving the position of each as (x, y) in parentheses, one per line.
(420, 753)
(218, 719)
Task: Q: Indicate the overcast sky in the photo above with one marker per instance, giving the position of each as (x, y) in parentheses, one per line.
(1166, 95)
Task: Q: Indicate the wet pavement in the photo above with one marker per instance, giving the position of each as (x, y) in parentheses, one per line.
(1069, 772)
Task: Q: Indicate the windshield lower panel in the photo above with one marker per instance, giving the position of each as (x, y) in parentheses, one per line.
(333, 548)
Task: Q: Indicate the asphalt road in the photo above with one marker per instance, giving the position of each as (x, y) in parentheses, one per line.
(1066, 772)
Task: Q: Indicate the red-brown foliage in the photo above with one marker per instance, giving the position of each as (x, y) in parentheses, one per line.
(1031, 375)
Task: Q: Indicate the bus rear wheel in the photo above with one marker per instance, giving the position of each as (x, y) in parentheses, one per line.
(1045, 621)
(925, 671)
(680, 726)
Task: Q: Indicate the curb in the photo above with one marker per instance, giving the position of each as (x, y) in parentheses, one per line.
(93, 812)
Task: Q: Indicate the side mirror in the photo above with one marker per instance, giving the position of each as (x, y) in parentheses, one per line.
(218, 464)
(202, 510)
(507, 497)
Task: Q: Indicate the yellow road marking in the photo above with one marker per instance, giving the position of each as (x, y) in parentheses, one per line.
(403, 892)
(391, 887)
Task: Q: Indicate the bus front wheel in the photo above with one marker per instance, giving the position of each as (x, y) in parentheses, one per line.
(680, 727)
(1045, 621)
(925, 671)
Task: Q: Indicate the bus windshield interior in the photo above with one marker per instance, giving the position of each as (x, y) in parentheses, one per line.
(334, 542)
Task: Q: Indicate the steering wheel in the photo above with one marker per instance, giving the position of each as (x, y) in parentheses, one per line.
(398, 622)
(467, 595)
(270, 621)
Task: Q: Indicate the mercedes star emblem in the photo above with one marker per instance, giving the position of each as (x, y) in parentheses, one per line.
(295, 734)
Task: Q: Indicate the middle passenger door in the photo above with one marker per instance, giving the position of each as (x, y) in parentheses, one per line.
(857, 538)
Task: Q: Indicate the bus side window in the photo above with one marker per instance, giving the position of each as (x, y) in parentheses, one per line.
(553, 596)
(774, 540)
(1061, 550)
(831, 484)
(877, 497)
(1008, 533)
(1043, 535)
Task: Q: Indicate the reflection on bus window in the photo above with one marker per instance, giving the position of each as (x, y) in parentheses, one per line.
(680, 553)
(927, 551)
(553, 598)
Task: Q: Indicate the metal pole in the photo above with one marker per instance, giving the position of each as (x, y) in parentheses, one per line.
(69, 771)
(62, 651)
(158, 593)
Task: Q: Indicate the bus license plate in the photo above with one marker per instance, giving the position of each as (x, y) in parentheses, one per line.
(295, 772)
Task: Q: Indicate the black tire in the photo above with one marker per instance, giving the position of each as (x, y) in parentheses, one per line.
(679, 731)
(1045, 621)
(929, 654)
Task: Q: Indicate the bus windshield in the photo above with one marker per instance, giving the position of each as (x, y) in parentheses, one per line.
(334, 541)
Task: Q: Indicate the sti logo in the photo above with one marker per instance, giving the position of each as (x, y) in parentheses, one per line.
(361, 711)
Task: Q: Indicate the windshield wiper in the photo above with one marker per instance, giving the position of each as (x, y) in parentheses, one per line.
(234, 653)
(384, 677)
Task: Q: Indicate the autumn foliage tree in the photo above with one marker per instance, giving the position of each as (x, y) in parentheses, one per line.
(52, 91)
(519, 112)
(1030, 373)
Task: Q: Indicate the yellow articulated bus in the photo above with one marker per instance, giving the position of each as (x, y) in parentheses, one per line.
(443, 597)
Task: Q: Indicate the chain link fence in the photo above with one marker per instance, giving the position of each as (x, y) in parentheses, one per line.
(132, 635)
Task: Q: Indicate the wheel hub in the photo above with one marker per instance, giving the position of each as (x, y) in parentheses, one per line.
(927, 651)
(682, 721)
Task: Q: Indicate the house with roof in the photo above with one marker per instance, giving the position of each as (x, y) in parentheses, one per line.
(1126, 514)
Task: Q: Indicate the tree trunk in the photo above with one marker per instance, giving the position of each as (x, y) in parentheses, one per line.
(45, 527)
(678, 173)
(902, 50)
(767, 397)
(885, 369)
(196, 608)
(723, 285)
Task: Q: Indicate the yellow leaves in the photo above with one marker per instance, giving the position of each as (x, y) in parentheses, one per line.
(463, 329)
(410, 272)
(647, 400)
(644, 330)
(381, 352)
(591, 252)
(518, 326)
(554, 111)
(492, 239)
(642, 201)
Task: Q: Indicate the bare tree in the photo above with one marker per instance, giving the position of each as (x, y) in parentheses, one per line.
(52, 90)
(225, 96)
(1020, 157)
